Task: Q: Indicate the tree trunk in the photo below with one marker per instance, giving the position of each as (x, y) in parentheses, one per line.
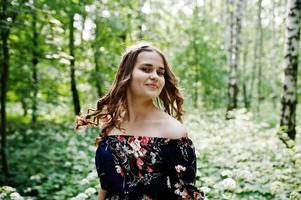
(96, 60)
(4, 78)
(74, 91)
(196, 58)
(24, 106)
(129, 28)
(260, 54)
(244, 85)
(232, 87)
(97, 54)
(257, 58)
(234, 11)
(34, 69)
(140, 19)
(273, 57)
(289, 91)
(223, 11)
(97, 72)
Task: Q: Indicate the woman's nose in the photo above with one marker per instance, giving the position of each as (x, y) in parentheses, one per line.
(154, 75)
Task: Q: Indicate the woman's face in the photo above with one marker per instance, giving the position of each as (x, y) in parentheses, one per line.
(148, 76)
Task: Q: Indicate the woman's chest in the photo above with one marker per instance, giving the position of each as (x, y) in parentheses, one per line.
(136, 156)
(151, 129)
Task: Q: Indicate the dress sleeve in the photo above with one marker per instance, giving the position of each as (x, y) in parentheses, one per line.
(180, 165)
(99, 168)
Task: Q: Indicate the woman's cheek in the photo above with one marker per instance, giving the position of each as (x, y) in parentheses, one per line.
(163, 84)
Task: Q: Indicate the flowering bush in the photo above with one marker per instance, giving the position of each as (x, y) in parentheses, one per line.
(7, 192)
(237, 159)
(244, 159)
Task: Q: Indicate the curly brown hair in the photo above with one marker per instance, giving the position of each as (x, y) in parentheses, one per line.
(111, 107)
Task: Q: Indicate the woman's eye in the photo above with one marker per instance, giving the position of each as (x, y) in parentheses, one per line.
(145, 69)
(160, 73)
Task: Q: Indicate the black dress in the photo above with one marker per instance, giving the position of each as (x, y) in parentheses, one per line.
(142, 167)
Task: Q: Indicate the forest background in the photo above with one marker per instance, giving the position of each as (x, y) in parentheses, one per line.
(236, 61)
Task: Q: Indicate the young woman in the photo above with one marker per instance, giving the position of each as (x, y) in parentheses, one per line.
(143, 151)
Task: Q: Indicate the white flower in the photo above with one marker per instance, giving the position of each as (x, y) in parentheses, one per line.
(210, 181)
(35, 177)
(78, 167)
(2, 195)
(90, 191)
(295, 195)
(275, 187)
(92, 148)
(290, 143)
(84, 181)
(15, 196)
(67, 164)
(81, 154)
(247, 175)
(8, 189)
(227, 173)
(81, 196)
(205, 189)
(92, 175)
(27, 190)
(229, 184)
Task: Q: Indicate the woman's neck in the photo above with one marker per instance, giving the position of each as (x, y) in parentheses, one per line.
(139, 111)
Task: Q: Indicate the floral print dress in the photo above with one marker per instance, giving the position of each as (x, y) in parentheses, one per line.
(147, 168)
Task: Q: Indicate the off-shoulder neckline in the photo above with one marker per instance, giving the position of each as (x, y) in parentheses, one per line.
(154, 137)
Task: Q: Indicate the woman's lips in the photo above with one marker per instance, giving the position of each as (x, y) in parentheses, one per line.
(152, 86)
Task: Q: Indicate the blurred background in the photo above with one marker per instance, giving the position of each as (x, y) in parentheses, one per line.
(236, 61)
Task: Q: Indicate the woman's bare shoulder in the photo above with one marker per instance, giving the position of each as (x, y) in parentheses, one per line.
(172, 128)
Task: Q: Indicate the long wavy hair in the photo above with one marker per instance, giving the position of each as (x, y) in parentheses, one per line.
(113, 105)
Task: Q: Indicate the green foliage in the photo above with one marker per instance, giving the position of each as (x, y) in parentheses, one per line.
(51, 161)
(193, 36)
(237, 159)
(243, 159)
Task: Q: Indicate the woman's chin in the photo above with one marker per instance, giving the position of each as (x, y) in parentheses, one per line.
(151, 95)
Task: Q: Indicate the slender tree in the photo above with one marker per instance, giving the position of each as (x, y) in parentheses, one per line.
(97, 55)
(140, 19)
(75, 95)
(289, 89)
(259, 52)
(234, 11)
(34, 66)
(7, 18)
(4, 77)
(244, 85)
(273, 57)
(195, 55)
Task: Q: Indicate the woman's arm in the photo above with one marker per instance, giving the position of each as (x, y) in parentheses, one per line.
(101, 194)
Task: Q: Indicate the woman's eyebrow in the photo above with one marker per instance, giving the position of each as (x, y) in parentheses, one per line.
(147, 64)
(150, 65)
